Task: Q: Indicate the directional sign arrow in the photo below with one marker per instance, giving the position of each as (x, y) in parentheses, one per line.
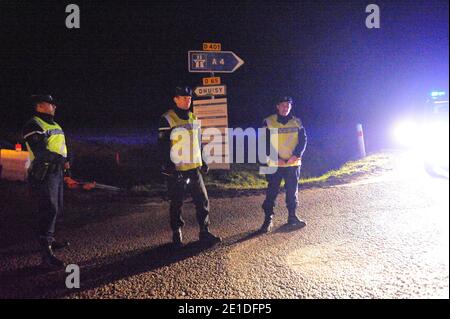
(213, 61)
(212, 90)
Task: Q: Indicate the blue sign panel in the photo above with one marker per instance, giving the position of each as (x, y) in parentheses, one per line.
(213, 61)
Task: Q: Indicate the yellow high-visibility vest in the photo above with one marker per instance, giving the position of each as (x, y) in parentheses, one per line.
(185, 152)
(283, 138)
(54, 137)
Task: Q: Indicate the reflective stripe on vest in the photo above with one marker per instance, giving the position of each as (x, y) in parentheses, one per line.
(54, 138)
(185, 152)
(283, 138)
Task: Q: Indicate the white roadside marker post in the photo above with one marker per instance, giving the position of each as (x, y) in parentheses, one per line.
(361, 146)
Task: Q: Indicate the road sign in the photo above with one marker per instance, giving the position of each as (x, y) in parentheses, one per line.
(212, 90)
(212, 46)
(213, 80)
(212, 61)
(212, 113)
(212, 110)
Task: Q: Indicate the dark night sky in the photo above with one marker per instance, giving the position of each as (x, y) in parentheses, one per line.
(119, 68)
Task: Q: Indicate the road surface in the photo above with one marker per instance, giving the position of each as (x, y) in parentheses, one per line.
(381, 236)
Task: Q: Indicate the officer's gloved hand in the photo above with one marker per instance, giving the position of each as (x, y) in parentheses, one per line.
(204, 169)
(67, 170)
(294, 160)
(179, 176)
(67, 165)
(169, 172)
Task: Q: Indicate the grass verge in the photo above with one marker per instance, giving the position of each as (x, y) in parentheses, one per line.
(244, 177)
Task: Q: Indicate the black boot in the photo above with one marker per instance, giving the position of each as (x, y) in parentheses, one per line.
(177, 238)
(50, 260)
(293, 220)
(206, 237)
(267, 225)
(60, 244)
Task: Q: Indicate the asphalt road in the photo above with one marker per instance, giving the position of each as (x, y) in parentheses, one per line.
(381, 236)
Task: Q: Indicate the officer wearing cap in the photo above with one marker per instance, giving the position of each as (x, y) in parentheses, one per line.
(287, 137)
(46, 143)
(179, 144)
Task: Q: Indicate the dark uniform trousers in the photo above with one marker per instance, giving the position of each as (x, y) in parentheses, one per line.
(49, 195)
(178, 187)
(291, 176)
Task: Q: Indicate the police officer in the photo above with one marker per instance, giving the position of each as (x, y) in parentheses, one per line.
(179, 146)
(288, 141)
(46, 143)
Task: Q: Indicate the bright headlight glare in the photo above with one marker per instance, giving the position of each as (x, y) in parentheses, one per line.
(406, 133)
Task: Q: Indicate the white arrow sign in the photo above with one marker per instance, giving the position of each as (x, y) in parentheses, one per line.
(211, 90)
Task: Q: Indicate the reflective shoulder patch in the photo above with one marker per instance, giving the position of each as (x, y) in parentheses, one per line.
(284, 130)
(32, 133)
(54, 132)
(188, 126)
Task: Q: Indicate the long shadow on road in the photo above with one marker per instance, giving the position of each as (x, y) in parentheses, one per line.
(36, 282)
